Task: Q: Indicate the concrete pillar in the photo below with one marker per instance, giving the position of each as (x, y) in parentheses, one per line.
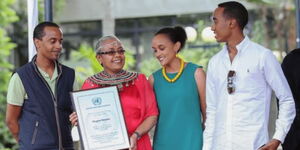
(108, 22)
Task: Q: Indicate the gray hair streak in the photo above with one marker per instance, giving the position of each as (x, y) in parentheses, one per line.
(100, 42)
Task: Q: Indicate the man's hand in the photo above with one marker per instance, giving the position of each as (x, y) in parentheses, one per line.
(271, 145)
(13, 113)
(74, 119)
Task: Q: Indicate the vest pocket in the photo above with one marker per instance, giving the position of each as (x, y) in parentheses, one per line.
(35, 132)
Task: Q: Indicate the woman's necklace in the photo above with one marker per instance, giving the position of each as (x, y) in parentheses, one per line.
(177, 75)
(105, 79)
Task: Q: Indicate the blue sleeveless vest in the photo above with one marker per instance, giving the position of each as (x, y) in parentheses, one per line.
(44, 121)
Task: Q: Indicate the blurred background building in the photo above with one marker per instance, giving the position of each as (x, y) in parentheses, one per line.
(133, 21)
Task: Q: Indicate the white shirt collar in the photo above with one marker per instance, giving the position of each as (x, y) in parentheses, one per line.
(240, 47)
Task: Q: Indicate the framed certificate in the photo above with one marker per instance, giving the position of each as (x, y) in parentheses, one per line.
(100, 119)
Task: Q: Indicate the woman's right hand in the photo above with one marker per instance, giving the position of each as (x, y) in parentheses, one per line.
(73, 118)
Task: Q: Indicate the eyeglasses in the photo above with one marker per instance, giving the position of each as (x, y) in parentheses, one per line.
(230, 78)
(111, 53)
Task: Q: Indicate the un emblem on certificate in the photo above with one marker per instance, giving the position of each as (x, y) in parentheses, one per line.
(97, 101)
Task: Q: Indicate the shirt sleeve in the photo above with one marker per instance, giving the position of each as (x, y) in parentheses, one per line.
(16, 91)
(276, 79)
(149, 97)
(210, 109)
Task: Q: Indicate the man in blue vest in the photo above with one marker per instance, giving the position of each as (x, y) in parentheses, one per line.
(38, 100)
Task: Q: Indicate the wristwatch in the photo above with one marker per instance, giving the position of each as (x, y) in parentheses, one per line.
(137, 134)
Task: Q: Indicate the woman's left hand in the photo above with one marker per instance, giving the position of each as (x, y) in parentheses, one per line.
(133, 142)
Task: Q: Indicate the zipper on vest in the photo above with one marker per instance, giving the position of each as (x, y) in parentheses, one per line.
(54, 99)
(56, 112)
(35, 132)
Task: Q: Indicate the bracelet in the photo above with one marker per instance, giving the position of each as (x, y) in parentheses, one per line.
(137, 134)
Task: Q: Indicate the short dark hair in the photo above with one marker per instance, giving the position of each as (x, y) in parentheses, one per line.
(38, 32)
(235, 10)
(175, 34)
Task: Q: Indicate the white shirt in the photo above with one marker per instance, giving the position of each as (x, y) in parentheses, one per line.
(239, 121)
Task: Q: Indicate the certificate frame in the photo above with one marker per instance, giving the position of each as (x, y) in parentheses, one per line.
(101, 123)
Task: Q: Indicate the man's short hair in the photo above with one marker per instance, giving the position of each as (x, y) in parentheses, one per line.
(38, 32)
(235, 10)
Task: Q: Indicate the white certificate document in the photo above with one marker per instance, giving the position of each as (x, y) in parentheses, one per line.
(100, 119)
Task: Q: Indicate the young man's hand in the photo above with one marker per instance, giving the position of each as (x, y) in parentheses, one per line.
(271, 145)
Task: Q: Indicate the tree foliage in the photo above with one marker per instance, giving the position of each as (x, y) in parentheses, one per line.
(274, 25)
(7, 16)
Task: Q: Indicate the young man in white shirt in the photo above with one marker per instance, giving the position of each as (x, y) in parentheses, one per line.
(240, 80)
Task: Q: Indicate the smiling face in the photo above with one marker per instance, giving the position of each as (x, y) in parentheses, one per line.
(164, 49)
(50, 45)
(221, 25)
(111, 62)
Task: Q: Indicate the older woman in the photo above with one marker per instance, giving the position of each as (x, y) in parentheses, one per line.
(137, 97)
